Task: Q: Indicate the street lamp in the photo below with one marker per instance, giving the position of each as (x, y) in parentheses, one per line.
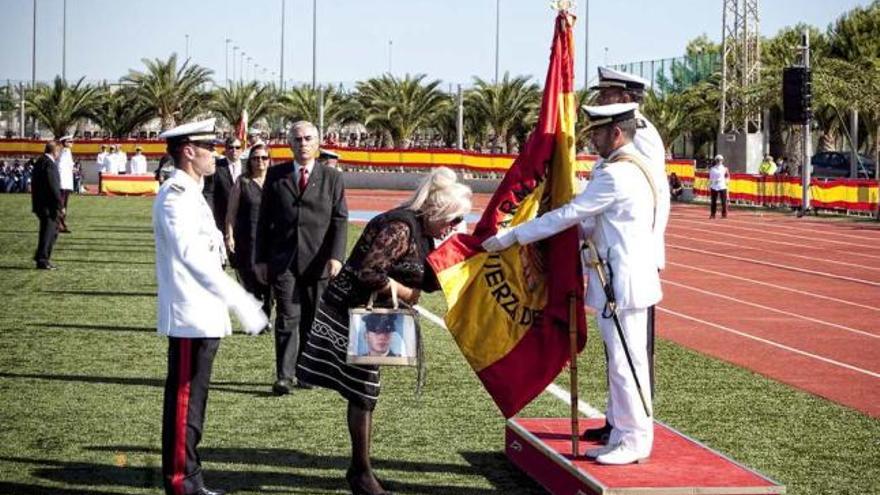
(234, 56)
(249, 73)
(390, 54)
(497, 35)
(187, 45)
(314, 44)
(227, 61)
(64, 44)
(241, 67)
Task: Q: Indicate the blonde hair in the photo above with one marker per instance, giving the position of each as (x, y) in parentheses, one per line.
(440, 196)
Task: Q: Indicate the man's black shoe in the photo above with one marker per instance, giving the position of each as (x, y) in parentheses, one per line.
(304, 385)
(282, 386)
(208, 491)
(46, 266)
(598, 434)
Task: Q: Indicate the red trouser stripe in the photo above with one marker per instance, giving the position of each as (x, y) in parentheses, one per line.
(180, 418)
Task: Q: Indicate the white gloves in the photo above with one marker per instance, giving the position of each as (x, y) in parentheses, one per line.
(500, 241)
(250, 313)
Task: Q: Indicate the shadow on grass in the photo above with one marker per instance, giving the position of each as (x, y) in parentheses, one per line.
(104, 262)
(105, 249)
(24, 489)
(29, 266)
(83, 326)
(120, 229)
(144, 382)
(100, 293)
(493, 467)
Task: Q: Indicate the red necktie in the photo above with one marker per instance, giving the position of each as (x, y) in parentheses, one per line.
(303, 178)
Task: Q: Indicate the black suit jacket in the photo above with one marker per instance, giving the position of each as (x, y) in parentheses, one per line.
(301, 231)
(46, 188)
(216, 191)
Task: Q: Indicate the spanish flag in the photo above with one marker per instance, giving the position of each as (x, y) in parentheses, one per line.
(508, 311)
(241, 130)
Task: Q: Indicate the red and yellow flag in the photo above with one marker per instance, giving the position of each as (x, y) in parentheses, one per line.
(508, 311)
(241, 130)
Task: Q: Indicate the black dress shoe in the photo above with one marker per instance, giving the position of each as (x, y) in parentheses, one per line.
(282, 386)
(304, 385)
(600, 435)
(46, 266)
(357, 486)
(208, 491)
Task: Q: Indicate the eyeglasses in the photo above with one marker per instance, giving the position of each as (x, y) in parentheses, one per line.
(262, 158)
(455, 221)
(235, 147)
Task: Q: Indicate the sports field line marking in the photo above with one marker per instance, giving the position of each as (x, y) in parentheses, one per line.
(554, 389)
(781, 253)
(776, 265)
(775, 286)
(774, 310)
(771, 343)
(761, 239)
(803, 229)
(801, 237)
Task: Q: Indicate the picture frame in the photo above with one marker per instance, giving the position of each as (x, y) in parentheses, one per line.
(382, 336)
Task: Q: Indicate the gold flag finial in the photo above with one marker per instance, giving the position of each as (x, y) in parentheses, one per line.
(563, 5)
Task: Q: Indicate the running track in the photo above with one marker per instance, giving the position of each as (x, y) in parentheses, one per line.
(796, 300)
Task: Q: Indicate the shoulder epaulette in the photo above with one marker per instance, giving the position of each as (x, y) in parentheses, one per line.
(177, 187)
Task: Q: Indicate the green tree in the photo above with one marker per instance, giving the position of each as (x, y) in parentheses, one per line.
(509, 107)
(399, 107)
(301, 103)
(174, 94)
(230, 103)
(61, 105)
(119, 111)
(666, 112)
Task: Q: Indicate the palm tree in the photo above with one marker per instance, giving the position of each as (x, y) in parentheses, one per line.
(666, 113)
(301, 103)
(120, 112)
(61, 105)
(173, 94)
(230, 103)
(399, 107)
(509, 106)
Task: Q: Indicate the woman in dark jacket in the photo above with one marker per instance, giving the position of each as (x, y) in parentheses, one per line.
(241, 222)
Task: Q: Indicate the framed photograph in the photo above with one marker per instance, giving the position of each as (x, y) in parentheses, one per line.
(382, 336)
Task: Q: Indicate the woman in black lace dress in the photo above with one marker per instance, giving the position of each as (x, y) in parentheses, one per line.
(391, 251)
(241, 222)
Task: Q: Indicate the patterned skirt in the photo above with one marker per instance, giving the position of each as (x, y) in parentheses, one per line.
(322, 362)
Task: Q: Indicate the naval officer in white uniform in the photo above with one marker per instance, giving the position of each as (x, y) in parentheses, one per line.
(617, 212)
(195, 296)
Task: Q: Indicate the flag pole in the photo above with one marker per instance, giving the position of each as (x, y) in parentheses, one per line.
(572, 337)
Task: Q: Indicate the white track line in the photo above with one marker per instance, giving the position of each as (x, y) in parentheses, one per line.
(554, 389)
(776, 265)
(771, 343)
(773, 310)
(775, 286)
(780, 225)
(764, 232)
(781, 253)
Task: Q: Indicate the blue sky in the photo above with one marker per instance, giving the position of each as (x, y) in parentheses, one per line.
(451, 40)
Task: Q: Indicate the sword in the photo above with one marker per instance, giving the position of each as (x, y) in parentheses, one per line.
(610, 310)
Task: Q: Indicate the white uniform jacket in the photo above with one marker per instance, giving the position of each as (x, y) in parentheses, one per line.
(648, 142)
(137, 165)
(194, 291)
(65, 169)
(616, 211)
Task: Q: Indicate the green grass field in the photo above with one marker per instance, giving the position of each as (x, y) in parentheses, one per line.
(82, 370)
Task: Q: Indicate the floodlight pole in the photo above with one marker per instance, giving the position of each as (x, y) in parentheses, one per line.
(806, 169)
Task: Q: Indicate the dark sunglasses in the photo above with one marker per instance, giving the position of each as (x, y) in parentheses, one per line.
(455, 221)
(235, 147)
(263, 158)
(204, 146)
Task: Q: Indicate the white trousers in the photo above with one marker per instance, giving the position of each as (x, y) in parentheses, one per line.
(625, 411)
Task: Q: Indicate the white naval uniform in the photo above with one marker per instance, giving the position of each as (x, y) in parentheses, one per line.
(137, 165)
(616, 211)
(101, 161)
(195, 293)
(648, 142)
(119, 160)
(65, 169)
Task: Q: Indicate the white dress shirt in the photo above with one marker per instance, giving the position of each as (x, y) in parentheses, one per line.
(718, 177)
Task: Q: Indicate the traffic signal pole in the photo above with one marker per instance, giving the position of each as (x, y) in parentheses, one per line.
(807, 168)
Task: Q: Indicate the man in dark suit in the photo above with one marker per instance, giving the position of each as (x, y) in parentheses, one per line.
(47, 203)
(218, 186)
(301, 238)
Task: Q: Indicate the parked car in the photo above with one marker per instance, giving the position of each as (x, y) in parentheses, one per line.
(836, 164)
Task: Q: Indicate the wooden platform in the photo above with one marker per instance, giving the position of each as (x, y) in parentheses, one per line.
(678, 465)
